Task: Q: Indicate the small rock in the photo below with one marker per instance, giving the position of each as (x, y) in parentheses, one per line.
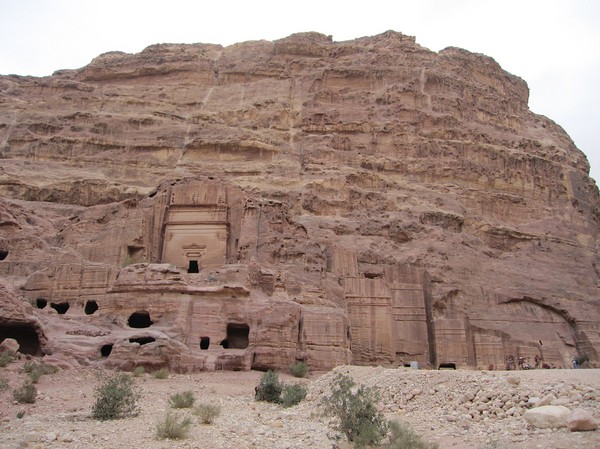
(546, 400)
(581, 420)
(513, 380)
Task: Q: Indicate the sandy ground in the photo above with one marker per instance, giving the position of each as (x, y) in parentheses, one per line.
(60, 418)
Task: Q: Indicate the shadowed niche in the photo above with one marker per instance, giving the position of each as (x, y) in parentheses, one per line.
(140, 319)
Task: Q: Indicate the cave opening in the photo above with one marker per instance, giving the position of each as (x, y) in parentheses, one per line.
(90, 307)
(60, 307)
(105, 350)
(193, 267)
(142, 340)
(204, 343)
(3, 254)
(40, 303)
(24, 334)
(140, 319)
(447, 365)
(237, 336)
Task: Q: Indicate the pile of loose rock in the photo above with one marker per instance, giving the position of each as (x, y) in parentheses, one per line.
(503, 405)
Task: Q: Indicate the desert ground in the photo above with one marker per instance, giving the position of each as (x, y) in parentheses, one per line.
(456, 409)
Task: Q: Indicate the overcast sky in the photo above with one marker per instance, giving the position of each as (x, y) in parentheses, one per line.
(554, 45)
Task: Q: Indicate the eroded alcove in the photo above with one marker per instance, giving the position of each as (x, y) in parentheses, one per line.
(142, 340)
(60, 307)
(41, 303)
(3, 254)
(140, 319)
(105, 350)
(91, 307)
(25, 334)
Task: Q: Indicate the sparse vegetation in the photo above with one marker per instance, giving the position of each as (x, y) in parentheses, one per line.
(6, 358)
(403, 437)
(3, 384)
(37, 370)
(162, 373)
(139, 371)
(116, 398)
(292, 395)
(184, 399)
(299, 369)
(269, 389)
(207, 413)
(20, 414)
(171, 427)
(355, 412)
(26, 393)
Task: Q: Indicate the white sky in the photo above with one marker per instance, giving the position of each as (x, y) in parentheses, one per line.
(554, 45)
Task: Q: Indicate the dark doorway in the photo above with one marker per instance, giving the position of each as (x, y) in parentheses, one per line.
(90, 307)
(25, 334)
(142, 340)
(3, 254)
(237, 336)
(447, 365)
(40, 303)
(60, 307)
(140, 319)
(105, 350)
(193, 267)
(204, 342)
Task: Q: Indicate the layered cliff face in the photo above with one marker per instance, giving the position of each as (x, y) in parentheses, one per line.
(367, 202)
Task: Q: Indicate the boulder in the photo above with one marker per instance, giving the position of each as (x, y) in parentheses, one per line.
(548, 416)
(9, 345)
(581, 420)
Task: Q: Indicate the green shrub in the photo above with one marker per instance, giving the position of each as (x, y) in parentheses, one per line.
(355, 412)
(172, 427)
(292, 395)
(269, 389)
(116, 398)
(207, 412)
(6, 358)
(162, 373)
(26, 393)
(182, 400)
(3, 384)
(20, 414)
(139, 371)
(299, 369)
(403, 437)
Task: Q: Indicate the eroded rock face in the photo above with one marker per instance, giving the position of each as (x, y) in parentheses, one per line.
(367, 202)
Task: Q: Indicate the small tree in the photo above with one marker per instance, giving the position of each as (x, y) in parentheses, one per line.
(355, 412)
(116, 398)
(269, 389)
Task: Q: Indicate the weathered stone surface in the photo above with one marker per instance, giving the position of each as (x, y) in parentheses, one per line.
(367, 202)
(548, 416)
(581, 420)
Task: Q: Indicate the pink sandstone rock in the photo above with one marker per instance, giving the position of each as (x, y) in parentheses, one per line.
(368, 202)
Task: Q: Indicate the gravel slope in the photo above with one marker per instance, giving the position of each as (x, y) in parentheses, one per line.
(437, 404)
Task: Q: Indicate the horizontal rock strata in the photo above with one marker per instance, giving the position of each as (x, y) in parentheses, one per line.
(367, 202)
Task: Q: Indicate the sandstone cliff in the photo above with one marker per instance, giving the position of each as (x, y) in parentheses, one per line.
(367, 202)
